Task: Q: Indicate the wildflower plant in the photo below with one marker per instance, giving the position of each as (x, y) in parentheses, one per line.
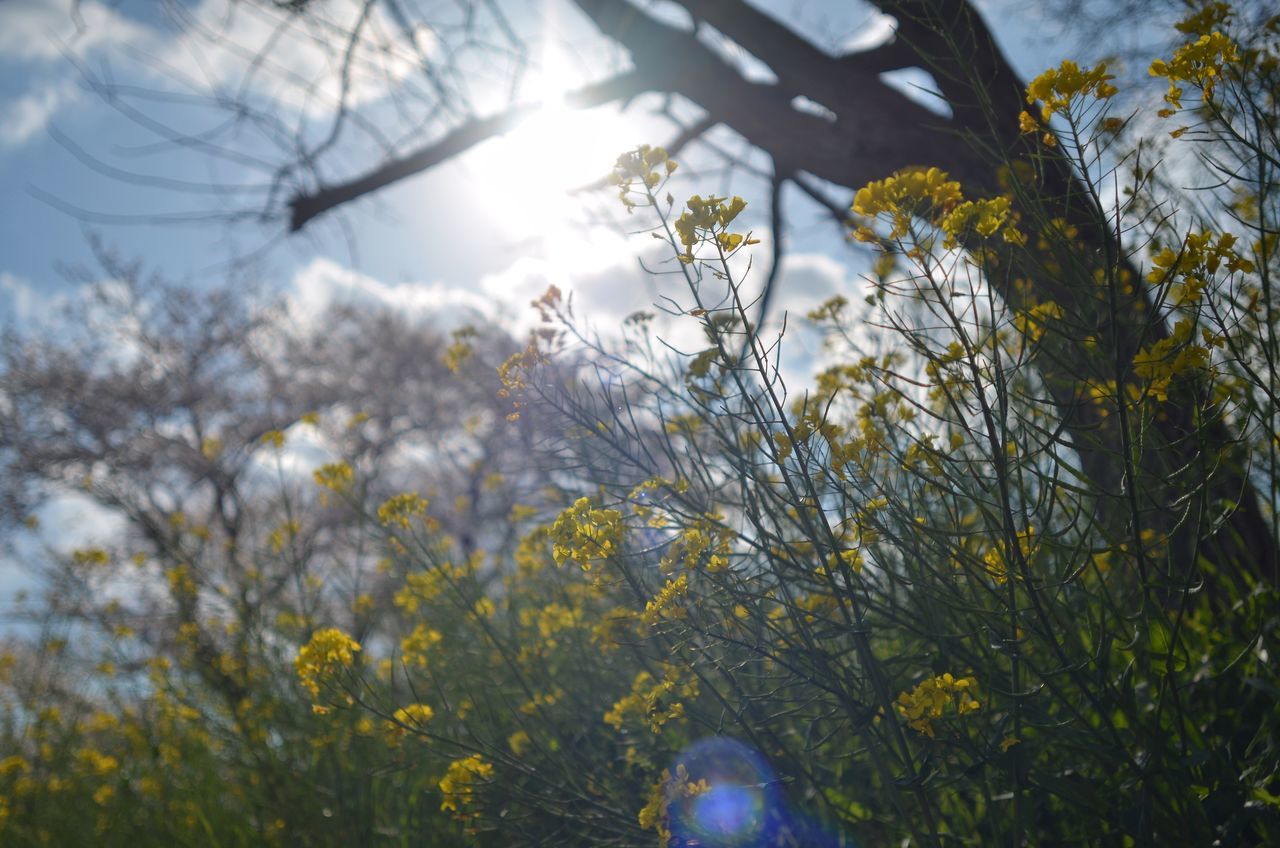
(940, 594)
(903, 586)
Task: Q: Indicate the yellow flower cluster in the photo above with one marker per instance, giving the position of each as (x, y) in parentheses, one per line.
(414, 647)
(708, 219)
(670, 789)
(519, 742)
(645, 165)
(704, 537)
(459, 351)
(97, 763)
(406, 719)
(1031, 323)
(586, 535)
(997, 564)
(1171, 356)
(283, 533)
(551, 619)
(459, 782)
(929, 699)
(1200, 63)
(423, 586)
(328, 651)
(400, 509)
(336, 476)
(512, 373)
(1194, 265)
(1057, 87)
(984, 217)
(666, 603)
(653, 701)
(907, 194)
(85, 557)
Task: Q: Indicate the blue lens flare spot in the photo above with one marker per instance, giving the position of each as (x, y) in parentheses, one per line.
(728, 814)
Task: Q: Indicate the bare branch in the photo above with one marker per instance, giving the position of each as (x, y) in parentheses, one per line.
(305, 207)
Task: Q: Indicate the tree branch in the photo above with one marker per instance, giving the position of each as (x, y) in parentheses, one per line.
(304, 207)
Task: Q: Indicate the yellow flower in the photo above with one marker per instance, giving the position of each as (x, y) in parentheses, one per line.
(406, 719)
(399, 509)
(337, 476)
(709, 218)
(670, 789)
(329, 651)
(1057, 87)
(909, 193)
(984, 217)
(414, 647)
(586, 535)
(705, 537)
(519, 742)
(666, 603)
(652, 701)
(1201, 62)
(90, 557)
(646, 166)
(459, 782)
(929, 699)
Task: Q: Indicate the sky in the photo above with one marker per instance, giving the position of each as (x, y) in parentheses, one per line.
(483, 234)
(474, 225)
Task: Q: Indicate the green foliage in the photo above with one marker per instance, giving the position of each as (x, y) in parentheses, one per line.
(906, 597)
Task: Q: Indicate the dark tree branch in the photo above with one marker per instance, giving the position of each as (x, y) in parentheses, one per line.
(304, 207)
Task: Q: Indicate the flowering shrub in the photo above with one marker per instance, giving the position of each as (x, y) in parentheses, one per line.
(895, 606)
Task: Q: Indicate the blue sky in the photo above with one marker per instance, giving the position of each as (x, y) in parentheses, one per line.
(448, 229)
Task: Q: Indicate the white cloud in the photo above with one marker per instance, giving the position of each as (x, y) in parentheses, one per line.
(25, 302)
(26, 117)
(43, 30)
(40, 34)
(72, 520)
(215, 46)
(324, 283)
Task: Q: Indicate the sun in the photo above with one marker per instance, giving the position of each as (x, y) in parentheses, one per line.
(531, 171)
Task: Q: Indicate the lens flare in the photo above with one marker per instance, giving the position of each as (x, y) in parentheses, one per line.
(742, 800)
(728, 813)
(742, 804)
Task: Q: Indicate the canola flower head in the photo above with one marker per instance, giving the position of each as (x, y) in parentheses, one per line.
(328, 651)
(458, 786)
(914, 192)
(666, 604)
(585, 534)
(638, 172)
(400, 509)
(932, 196)
(1201, 63)
(404, 719)
(707, 220)
(335, 476)
(930, 698)
(1056, 88)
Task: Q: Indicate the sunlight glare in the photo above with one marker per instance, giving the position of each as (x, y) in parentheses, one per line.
(529, 172)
